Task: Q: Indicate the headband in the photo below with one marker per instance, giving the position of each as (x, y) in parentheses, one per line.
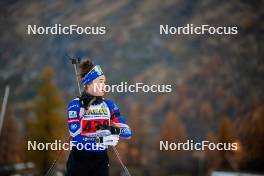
(92, 75)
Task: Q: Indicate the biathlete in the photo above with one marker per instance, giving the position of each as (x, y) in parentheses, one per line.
(94, 124)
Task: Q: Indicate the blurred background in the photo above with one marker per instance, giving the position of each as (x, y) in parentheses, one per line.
(217, 82)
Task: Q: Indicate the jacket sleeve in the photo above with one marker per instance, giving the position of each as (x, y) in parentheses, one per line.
(73, 114)
(118, 121)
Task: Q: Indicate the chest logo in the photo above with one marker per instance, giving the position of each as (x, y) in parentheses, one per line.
(96, 111)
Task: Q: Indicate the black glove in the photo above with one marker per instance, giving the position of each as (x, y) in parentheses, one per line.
(114, 130)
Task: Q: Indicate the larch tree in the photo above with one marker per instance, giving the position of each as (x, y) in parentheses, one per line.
(47, 124)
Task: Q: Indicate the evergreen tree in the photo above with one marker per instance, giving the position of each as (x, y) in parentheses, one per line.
(48, 123)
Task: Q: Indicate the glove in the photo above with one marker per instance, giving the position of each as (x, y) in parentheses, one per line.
(106, 138)
(102, 133)
(115, 130)
(110, 140)
(112, 130)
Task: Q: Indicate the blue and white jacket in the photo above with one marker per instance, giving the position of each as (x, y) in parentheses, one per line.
(83, 123)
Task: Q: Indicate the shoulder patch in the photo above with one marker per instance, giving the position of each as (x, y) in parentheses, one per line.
(72, 114)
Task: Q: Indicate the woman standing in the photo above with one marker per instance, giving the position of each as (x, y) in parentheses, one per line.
(94, 124)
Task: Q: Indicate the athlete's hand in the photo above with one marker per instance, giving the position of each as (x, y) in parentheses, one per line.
(110, 130)
(106, 138)
(114, 130)
(110, 140)
(102, 133)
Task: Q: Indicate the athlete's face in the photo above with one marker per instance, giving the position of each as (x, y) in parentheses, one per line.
(96, 88)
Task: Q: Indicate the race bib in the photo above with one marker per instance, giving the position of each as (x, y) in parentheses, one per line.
(90, 126)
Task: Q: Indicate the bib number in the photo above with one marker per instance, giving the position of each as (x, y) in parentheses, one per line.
(90, 126)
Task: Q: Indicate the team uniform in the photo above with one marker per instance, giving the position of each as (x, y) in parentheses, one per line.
(83, 126)
(94, 125)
